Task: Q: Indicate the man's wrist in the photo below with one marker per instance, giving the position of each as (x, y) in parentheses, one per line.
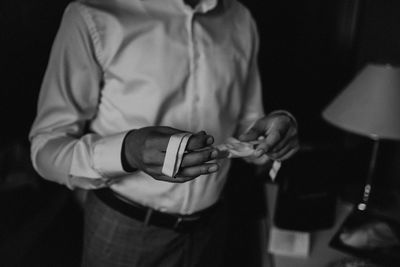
(124, 161)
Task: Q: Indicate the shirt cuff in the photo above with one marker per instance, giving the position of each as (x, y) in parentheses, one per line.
(107, 156)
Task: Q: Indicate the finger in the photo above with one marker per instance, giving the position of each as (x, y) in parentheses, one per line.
(199, 157)
(293, 144)
(268, 143)
(290, 134)
(185, 174)
(289, 154)
(181, 179)
(279, 154)
(196, 171)
(155, 172)
(199, 140)
(254, 132)
(260, 160)
(154, 158)
(173, 179)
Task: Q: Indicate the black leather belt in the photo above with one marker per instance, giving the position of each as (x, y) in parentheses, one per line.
(151, 216)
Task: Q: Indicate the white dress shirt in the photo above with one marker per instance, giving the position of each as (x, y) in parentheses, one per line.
(118, 65)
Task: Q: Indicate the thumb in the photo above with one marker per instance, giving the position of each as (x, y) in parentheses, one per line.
(254, 132)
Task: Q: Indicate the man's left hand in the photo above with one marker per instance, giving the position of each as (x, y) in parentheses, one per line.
(278, 137)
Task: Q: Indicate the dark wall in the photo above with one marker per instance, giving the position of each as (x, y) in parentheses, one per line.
(39, 220)
(27, 32)
(307, 55)
(379, 39)
(311, 49)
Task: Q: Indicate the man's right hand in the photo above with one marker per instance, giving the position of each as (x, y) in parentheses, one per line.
(145, 148)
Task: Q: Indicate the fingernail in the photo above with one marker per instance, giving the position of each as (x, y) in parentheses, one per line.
(213, 168)
(210, 140)
(214, 154)
(259, 152)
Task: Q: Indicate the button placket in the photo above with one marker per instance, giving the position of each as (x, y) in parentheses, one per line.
(194, 57)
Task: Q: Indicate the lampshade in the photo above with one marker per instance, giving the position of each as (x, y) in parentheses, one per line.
(370, 104)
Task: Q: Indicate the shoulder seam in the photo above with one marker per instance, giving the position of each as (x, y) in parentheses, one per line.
(93, 31)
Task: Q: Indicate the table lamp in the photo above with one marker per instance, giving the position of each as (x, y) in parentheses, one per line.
(369, 106)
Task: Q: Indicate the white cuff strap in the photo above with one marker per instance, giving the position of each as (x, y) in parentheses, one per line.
(174, 154)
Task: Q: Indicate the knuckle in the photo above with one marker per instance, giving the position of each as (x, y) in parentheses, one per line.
(203, 170)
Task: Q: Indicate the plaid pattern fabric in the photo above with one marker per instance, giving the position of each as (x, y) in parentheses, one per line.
(115, 240)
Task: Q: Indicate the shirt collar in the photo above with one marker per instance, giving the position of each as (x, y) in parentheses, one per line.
(204, 6)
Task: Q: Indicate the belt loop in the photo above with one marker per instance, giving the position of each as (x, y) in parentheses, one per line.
(148, 216)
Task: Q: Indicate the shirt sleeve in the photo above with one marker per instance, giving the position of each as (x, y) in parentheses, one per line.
(252, 108)
(61, 148)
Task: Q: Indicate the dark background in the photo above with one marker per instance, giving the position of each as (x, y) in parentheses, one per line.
(310, 49)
